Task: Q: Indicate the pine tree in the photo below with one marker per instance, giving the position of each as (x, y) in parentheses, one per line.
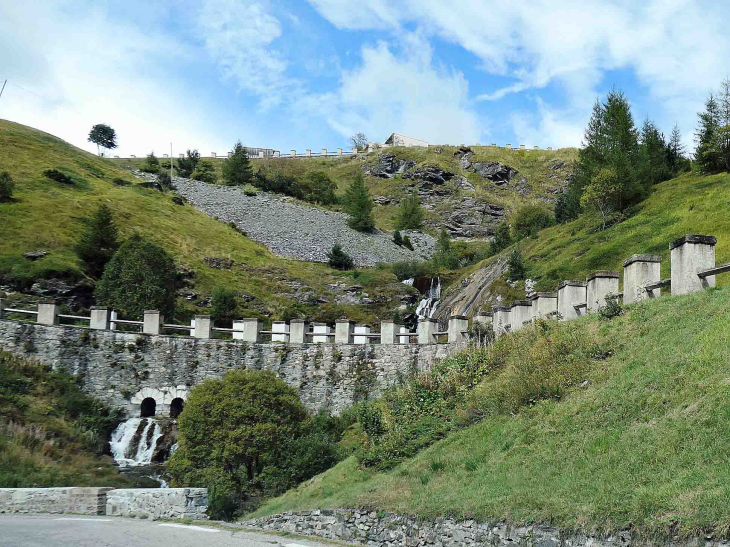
(653, 154)
(397, 238)
(675, 150)
(237, 169)
(707, 153)
(98, 241)
(186, 166)
(410, 213)
(359, 205)
(723, 133)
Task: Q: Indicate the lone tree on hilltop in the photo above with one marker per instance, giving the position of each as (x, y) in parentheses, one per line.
(140, 276)
(359, 140)
(359, 205)
(104, 137)
(237, 169)
(98, 241)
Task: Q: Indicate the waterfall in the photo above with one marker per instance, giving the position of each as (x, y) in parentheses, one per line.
(134, 441)
(427, 305)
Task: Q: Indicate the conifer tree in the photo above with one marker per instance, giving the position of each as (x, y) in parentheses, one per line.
(237, 169)
(653, 154)
(707, 154)
(98, 241)
(410, 213)
(359, 205)
(675, 150)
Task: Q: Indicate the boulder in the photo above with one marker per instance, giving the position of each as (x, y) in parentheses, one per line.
(382, 200)
(431, 173)
(496, 172)
(462, 183)
(388, 166)
(34, 255)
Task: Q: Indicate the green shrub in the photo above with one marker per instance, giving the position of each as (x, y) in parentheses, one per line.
(6, 187)
(502, 239)
(317, 187)
(530, 219)
(612, 308)
(407, 242)
(223, 305)
(397, 238)
(98, 241)
(121, 182)
(407, 269)
(339, 259)
(445, 257)
(278, 184)
(237, 169)
(205, 172)
(516, 266)
(58, 176)
(359, 205)
(186, 166)
(140, 276)
(410, 213)
(152, 165)
(165, 181)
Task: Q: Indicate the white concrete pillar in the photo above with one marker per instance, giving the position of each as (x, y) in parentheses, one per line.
(599, 285)
(361, 329)
(165, 156)
(426, 330)
(571, 293)
(522, 147)
(692, 254)
(203, 327)
(283, 328)
(546, 304)
(640, 270)
(484, 318)
(458, 325)
(48, 312)
(502, 320)
(322, 328)
(99, 318)
(387, 332)
(212, 155)
(324, 152)
(2, 307)
(248, 330)
(354, 151)
(549, 147)
(113, 320)
(404, 339)
(293, 153)
(521, 312)
(298, 329)
(261, 154)
(508, 146)
(339, 151)
(308, 153)
(343, 331)
(277, 154)
(536, 148)
(153, 320)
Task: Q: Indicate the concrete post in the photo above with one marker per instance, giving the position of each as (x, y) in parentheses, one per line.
(48, 312)
(354, 151)
(261, 154)
(277, 153)
(2, 307)
(343, 331)
(203, 327)
(404, 339)
(248, 330)
(322, 328)
(692, 254)
(599, 285)
(309, 153)
(361, 329)
(546, 303)
(165, 156)
(458, 325)
(283, 328)
(640, 270)
(549, 147)
(522, 147)
(298, 329)
(485, 318)
(99, 318)
(324, 152)
(387, 332)
(521, 311)
(570, 293)
(339, 151)
(536, 148)
(508, 146)
(502, 320)
(426, 330)
(181, 156)
(212, 155)
(293, 153)
(152, 322)
(113, 320)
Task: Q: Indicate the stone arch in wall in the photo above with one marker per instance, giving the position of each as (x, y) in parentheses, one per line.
(176, 407)
(147, 408)
(163, 398)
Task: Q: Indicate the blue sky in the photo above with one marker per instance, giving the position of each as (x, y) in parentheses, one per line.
(296, 74)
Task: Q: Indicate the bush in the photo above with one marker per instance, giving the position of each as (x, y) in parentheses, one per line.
(205, 172)
(530, 219)
(58, 176)
(408, 269)
(567, 207)
(97, 242)
(397, 238)
(186, 166)
(445, 258)
(152, 165)
(237, 169)
(516, 266)
(165, 181)
(140, 276)
(339, 259)
(223, 305)
(410, 213)
(6, 187)
(278, 184)
(502, 239)
(359, 205)
(407, 243)
(317, 187)
(612, 308)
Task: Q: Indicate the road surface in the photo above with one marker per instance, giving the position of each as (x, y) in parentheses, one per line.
(73, 531)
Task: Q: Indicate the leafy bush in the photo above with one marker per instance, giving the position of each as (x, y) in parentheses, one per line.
(407, 242)
(410, 213)
(58, 176)
(502, 239)
(278, 184)
(359, 205)
(516, 266)
(165, 181)
(98, 241)
(6, 187)
(140, 276)
(317, 187)
(567, 206)
(530, 219)
(339, 259)
(397, 238)
(612, 308)
(223, 305)
(445, 257)
(186, 166)
(205, 172)
(407, 269)
(152, 165)
(237, 169)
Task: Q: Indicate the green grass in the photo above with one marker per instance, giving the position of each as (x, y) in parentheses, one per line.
(644, 444)
(46, 215)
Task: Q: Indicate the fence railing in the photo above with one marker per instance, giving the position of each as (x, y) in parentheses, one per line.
(693, 269)
(251, 330)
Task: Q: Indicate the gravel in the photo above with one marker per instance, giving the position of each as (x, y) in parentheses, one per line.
(295, 231)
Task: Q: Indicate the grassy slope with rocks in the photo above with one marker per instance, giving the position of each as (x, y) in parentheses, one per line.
(45, 215)
(643, 443)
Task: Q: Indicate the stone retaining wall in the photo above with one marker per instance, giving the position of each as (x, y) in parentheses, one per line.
(390, 530)
(155, 503)
(82, 501)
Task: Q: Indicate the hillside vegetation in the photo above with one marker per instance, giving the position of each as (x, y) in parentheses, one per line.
(636, 438)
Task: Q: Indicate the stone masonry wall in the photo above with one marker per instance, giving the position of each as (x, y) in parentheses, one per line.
(155, 503)
(121, 368)
(391, 530)
(81, 501)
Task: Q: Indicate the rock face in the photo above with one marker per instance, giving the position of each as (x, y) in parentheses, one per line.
(491, 170)
(388, 166)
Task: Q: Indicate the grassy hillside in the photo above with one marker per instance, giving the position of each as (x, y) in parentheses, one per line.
(535, 166)
(46, 215)
(642, 442)
(51, 434)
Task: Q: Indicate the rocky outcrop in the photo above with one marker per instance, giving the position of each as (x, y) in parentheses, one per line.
(466, 218)
(388, 166)
(498, 173)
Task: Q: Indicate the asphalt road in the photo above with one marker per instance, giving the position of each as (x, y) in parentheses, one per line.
(68, 531)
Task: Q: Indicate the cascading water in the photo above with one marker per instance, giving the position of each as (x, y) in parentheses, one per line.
(427, 305)
(134, 442)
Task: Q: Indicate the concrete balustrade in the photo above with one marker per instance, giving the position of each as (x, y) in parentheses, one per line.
(404, 336)
(339, 151)
(690, 255)
(520, 314)
(152, 323)
(308, 153)
(100, 318)
(427, 330)
(48, 312)
(388, 330)
(293, 153)
(640, 271)
(324, 152)
(203, 327)
(599, 285)
(571, 293)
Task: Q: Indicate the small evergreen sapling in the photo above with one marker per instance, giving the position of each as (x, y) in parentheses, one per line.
(397, 238)
(339, 259)
(237, 170)
(359, 205)
(98, 241)
(6, 187)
